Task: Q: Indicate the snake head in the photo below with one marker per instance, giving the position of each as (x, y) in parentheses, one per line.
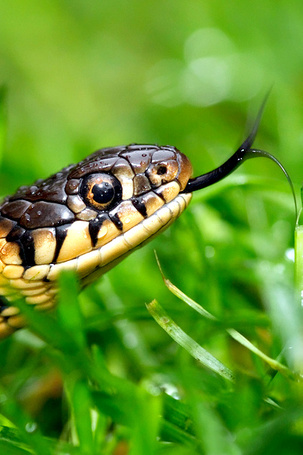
(85, 218)
(88, 216)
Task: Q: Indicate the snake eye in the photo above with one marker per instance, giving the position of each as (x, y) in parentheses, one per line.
(102, 191)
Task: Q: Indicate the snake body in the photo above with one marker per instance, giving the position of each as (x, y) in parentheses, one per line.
(85, 218)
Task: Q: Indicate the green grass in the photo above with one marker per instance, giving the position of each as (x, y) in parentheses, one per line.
(101, 376)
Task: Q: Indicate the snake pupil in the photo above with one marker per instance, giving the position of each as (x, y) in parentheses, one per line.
(103, 192)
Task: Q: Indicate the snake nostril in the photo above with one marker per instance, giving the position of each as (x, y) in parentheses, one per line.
(161, 170)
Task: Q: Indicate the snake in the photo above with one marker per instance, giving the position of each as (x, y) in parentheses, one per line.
(91, 215)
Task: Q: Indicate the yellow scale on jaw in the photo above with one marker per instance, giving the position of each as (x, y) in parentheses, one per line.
(91, 215)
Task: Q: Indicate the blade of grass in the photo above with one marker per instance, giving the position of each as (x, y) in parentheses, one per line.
(286, 315)
(191, 346)
(78, 394)
(8, 448)
(10, 441)
(274, 364)
(172, 433)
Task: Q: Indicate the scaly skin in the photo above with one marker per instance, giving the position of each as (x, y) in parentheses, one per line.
(85, 218)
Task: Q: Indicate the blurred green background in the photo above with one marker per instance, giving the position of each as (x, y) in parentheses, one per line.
(82, 75)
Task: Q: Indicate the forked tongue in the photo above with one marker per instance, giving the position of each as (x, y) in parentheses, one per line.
(244, 152)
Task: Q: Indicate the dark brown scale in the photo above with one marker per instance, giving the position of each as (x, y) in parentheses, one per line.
(15, 234)
(139, 160)
(51, 189)
(72, 186)
(91, 167)
(15, 209)
(45, 214)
